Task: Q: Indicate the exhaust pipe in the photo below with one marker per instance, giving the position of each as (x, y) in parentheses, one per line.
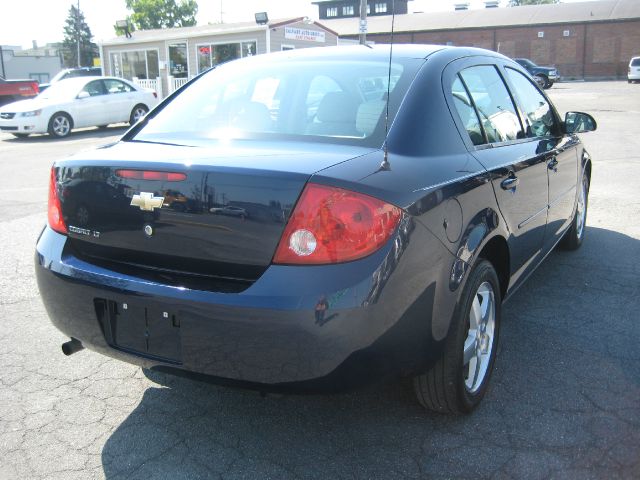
(71, 347)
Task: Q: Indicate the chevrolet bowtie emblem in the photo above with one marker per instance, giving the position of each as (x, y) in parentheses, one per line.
(146, 201)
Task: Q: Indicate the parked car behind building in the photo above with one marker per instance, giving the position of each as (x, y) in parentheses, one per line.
(72, 73)
(634, 70)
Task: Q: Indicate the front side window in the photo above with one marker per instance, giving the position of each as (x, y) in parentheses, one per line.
(539, 120)
(116, 86)
(493, 102)
(94, 88)
(317, 101)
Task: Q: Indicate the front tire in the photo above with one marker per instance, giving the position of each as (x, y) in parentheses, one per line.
(541, 80)
(60, 125)
(138, 112)
(459, 380)
(574, 237)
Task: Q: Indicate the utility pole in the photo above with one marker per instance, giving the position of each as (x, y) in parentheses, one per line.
(78, 32)
(363, 22)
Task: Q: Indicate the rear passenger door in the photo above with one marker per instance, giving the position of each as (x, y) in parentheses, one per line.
(495, 136)
(543, 127)
(122, 99)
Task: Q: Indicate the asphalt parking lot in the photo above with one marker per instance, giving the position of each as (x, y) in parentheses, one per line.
(564, 401)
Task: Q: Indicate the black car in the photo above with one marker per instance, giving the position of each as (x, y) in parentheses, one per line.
(545, 77)
(72, 73)
(392, 228)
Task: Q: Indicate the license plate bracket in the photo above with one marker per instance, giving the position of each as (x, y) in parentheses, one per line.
(145, 330)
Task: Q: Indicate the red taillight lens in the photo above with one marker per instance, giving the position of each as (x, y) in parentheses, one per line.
(151, 175)
(55, 209)
(332, 225)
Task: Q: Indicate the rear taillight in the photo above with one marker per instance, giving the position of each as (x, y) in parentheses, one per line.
(332, 225)
(55, 209)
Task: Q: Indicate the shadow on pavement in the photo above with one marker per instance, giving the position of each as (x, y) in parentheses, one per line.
(563, 403)
(74, 135)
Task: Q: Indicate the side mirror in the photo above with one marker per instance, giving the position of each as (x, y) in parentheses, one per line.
(83, 94)
(578, 122)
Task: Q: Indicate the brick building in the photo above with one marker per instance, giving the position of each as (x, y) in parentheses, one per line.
(592, 40)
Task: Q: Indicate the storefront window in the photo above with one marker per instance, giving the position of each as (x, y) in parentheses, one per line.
(178, 60)
(142, 64)
(212, 55)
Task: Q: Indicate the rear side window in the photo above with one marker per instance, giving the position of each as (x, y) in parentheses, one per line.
(467, 113)
(538, 116)
(95, 88)
(493, 102)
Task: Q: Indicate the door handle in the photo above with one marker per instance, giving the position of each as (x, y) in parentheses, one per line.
(553, 164)
(510, 183)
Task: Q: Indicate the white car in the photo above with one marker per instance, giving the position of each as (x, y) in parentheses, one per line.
(76, 103)
(634, 70)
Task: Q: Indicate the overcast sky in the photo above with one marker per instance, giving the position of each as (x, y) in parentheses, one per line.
(43, 20)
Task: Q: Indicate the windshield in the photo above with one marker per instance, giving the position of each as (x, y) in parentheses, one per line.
(307, 100)
(63, 89)
(59, 76)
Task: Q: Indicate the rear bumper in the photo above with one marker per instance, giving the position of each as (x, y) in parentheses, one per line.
(378, 321)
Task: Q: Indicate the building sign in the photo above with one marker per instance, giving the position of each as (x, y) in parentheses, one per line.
(292, 33)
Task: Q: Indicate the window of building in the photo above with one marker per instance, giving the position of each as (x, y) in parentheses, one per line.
(381, 7)
(141, 64)
(212, 55)
(332, 11)
(493, 102)
(178, 60)
(368, 9)
(347, 10)
(287, 47)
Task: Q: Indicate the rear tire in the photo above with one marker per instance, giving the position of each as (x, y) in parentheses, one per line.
(60, 125)
(138, 112)
(459, 380)
(574, 237)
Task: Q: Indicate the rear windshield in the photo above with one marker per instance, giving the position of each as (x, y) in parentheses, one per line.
(635, 62)
(305, 100)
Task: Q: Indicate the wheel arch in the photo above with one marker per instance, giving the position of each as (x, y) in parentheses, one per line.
(68, 114)
(496, 251)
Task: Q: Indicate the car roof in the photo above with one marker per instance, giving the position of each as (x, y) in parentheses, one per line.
(357, 52)
(86, 79)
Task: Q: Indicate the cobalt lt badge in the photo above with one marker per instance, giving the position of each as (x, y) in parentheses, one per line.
(146, 201)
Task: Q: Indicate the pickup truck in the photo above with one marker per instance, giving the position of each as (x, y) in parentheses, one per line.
(544, 76)
(13, 90)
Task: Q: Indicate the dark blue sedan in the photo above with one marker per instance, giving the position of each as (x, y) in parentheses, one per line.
(389, 209)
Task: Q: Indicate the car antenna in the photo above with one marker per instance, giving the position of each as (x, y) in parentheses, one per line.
(385, 165)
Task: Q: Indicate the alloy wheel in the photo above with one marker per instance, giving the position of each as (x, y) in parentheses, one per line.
(478, 344)
(61, 126)
(581, 213)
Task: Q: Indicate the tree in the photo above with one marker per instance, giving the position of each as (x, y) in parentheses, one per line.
(148, 14)
(74, 26)
(517, 3)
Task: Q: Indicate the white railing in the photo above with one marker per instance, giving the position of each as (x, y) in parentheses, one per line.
(152, 83)
(176, 83)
